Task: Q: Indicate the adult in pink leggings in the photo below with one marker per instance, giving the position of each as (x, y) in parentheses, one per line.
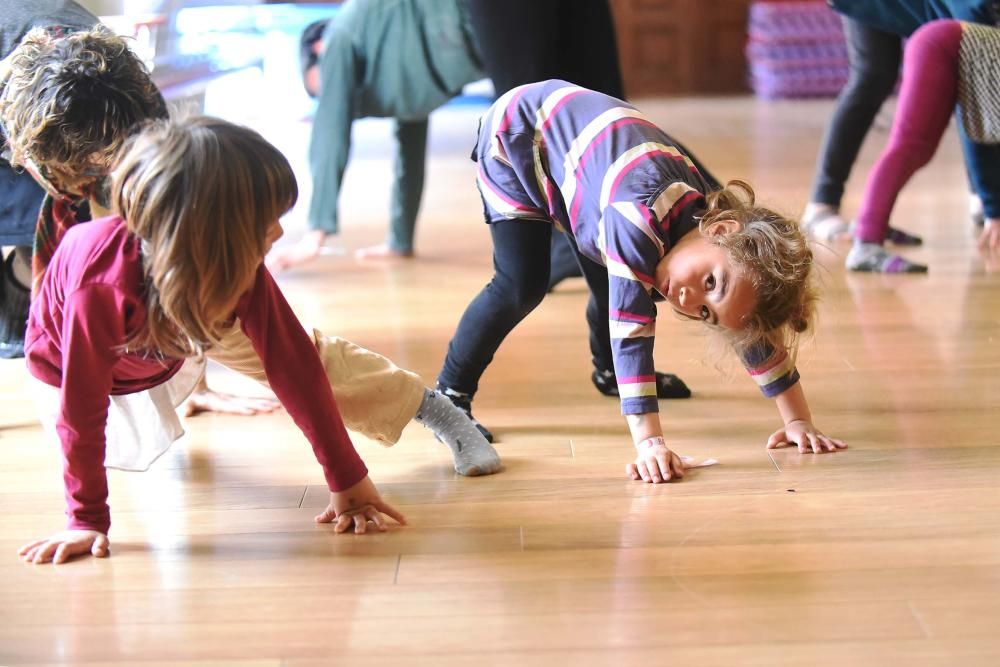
(932, 67)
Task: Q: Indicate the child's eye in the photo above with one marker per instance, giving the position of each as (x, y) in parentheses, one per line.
(705, 314)
(710, 282)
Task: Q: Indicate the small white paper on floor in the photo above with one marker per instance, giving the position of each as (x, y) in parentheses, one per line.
(691, 462)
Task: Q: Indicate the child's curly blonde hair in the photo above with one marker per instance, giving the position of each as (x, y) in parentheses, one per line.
(69, 101)
(775, 256)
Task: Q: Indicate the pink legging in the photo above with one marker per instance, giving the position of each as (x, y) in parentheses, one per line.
(927, 98)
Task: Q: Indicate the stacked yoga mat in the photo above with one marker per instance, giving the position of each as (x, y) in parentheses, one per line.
(795, 49)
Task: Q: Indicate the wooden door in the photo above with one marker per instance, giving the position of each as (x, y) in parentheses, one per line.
(682, 47)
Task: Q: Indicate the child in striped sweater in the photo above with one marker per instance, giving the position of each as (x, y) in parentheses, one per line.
(646, 228)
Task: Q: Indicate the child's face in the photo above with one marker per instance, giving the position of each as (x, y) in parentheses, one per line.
(63, 183)
(311, 75)
(700, 282)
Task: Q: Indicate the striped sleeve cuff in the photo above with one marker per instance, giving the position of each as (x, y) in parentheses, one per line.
(640, 405)
(778, 386)
(773, 370)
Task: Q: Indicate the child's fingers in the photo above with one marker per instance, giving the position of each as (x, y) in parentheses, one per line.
(377, 518)
(665, 461)
(644, 472)
(342, 524)
(777, 439)
(23, 551)
(326, 516)
(360, 523)
(389, 510)
(631, 472)
(654, 470)
(677, 464)
(44, 553)
(102, 546)
(62, 553)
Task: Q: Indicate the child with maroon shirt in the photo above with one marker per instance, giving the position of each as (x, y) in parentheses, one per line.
(126, 300)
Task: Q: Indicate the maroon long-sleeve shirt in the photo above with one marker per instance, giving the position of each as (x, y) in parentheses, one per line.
(91, 301)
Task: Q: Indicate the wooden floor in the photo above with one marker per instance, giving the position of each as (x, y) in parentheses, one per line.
(888, 553)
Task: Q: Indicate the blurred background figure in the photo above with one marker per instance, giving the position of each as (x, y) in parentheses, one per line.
(400, 59)
(875, 30)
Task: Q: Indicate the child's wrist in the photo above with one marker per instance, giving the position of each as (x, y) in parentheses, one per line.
(650, 442)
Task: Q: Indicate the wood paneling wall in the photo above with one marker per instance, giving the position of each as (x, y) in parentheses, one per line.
(682, 47)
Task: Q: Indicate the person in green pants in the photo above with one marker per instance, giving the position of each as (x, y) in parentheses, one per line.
(399, 59)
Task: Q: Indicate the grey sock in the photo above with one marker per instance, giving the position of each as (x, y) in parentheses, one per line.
(472, 453)
(872, 257)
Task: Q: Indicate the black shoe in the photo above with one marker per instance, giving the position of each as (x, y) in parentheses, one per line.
(463, 402)
(15, 300)
(668, 385)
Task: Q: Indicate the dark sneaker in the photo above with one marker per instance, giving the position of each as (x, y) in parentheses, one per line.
(668, 385)
(14, 302)
(463, 402)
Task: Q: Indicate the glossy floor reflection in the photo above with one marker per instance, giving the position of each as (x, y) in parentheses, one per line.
(888, 552)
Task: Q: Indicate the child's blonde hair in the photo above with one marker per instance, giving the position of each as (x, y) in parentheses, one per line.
(72, 99)
(201, 194)
(774, 254)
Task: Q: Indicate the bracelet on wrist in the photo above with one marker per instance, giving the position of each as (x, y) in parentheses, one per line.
(655, 441)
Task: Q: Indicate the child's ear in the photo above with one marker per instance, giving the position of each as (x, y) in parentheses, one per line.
(720, 227)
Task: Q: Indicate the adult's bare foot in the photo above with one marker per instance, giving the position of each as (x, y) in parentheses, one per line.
(303, 252)
(382, 252)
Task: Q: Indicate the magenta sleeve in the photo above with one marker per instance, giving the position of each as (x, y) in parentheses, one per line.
(298, 378)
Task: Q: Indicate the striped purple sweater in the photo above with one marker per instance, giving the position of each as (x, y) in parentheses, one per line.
(601, 171)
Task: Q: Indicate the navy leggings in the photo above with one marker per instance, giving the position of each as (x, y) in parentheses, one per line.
(521, 264)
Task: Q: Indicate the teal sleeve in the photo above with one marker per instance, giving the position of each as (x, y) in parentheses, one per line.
(408, 183)
(330, 145)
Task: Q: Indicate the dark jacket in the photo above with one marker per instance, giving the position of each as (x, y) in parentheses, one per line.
(20, 197)
(903, 17)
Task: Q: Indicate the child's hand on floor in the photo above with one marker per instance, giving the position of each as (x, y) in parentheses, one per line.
(808, 438)
(655, 463)
(61, 546)
(357, 506)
